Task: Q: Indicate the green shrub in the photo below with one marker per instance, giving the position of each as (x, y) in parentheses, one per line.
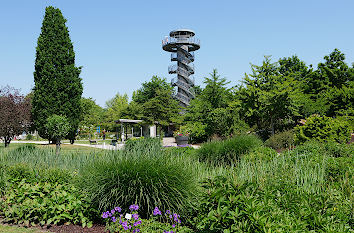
(197, 132)
(246, 207)
(317, 149)
(228, 151)
(261, 153)
(281, 140)
(45, 203)
(29, 137)
(147, 179)
(2, 179)
(322, 128)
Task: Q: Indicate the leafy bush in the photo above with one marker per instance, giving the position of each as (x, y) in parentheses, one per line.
(139, 176)
(2, 179)
(197, 132)
(261, 153)
(323, 129)
(29, 137)
(317, 149)
(228, 151)
(45, 203)
(246, 207)
(281, 140)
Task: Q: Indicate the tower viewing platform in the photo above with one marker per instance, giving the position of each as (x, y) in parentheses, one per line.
(182, 44)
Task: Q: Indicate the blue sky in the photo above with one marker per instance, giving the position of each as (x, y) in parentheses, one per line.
(118, 43)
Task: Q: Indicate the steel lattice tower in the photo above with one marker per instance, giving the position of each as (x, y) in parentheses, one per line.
(182, 44)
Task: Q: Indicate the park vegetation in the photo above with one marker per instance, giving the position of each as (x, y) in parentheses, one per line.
(274, 155)
(58, 87)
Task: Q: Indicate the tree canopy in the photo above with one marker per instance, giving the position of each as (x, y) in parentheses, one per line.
(58, 87)
(15, 112)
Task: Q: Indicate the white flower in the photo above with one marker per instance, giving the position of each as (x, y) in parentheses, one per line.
(128, 216)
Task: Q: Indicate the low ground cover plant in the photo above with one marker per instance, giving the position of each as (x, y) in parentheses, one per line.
(45, 203)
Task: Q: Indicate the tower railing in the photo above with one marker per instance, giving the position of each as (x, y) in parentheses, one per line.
(184, 40)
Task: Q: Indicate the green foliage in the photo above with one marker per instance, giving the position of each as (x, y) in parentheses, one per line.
(58, 87)
(156, 102)
(2, 179)
(228, 151)
(57, 127)
(229, 207)
(143, 146)
(261, 153)
(323, 128)
(116, 108)
(210, 114)
(332, 149)
(92, 114)
(148, 177)
(270, 101)
(45, 203)
(281, 140)
(29, 137)
(197, 132)
(302, 190)
(19, 171)
(151, 225)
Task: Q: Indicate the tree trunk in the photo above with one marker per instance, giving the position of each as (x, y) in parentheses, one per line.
(72, 141)
(57, 147)
(272, 125)
(7, 141)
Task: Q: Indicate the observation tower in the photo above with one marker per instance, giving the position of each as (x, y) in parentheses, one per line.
(182, 44)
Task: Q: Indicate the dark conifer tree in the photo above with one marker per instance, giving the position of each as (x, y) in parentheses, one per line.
(58, 87)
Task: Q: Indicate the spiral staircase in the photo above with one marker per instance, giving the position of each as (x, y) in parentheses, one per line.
(182, 44)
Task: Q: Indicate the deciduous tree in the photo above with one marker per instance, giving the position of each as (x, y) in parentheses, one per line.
(15, 114)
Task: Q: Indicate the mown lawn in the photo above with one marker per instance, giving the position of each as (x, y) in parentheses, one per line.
(15, 229)
(64, 147)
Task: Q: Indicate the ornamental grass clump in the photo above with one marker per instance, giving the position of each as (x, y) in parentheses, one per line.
(228, 151)
(138, 176)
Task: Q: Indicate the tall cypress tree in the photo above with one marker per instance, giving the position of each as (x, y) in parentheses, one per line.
(58, 87)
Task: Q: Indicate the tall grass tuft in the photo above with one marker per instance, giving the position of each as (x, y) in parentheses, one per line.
(147, 177)
(228, 151)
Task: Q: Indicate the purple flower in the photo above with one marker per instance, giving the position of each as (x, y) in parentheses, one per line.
(109, 214)
(136, 230)
(104, 215)
(168, 212)
(114, 219)
(133, 207)
(156, 211)
(113, 211)
(124, 224)
(173, 225)
(117, 209)
(137, 223)
(136, 216)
